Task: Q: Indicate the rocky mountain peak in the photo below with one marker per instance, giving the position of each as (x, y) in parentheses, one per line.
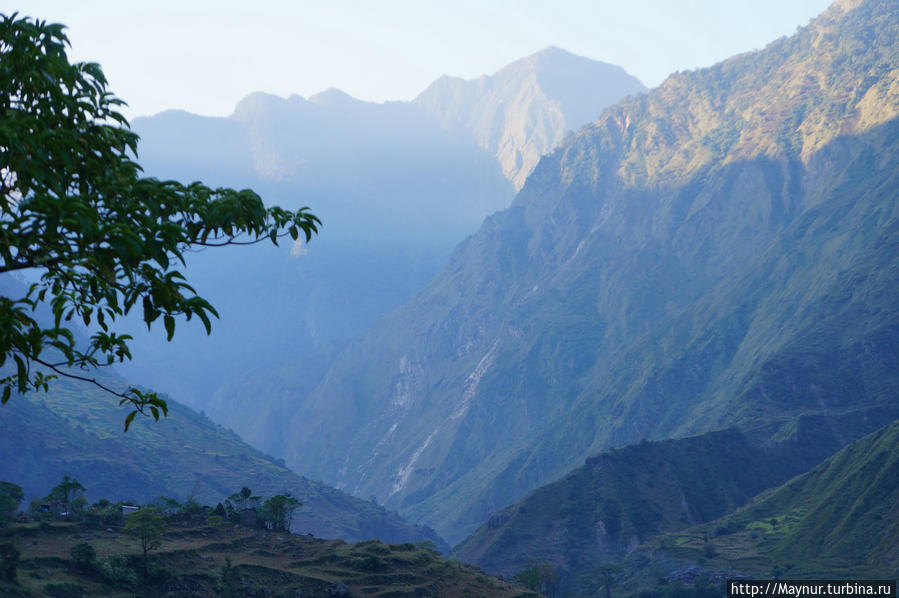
(524, 110)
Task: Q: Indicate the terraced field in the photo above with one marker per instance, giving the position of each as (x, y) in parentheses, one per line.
(235, 561)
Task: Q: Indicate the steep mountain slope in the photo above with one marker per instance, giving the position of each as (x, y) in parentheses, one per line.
(620, 498)
(839, 519)
(717, 251)
(523, 111)
(396, 190)
(75, 430)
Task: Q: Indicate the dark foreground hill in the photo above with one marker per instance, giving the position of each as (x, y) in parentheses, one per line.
(76, 430)
(674, 510)
(839, 520)
(720, 251)
(224, 561)
(621, 498)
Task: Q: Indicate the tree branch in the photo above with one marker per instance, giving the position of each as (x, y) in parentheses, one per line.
(121, 395)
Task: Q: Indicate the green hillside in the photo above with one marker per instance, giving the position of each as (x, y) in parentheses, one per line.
(717, 252)
(841, 519)
(671, 510)
(76, 430)
(623, 497)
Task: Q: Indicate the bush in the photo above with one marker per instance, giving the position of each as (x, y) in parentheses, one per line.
(130, 571)
(10, 497)
(119, 570)
(366, 563)
(104, 513)
(732, 527)
(9, 561)
(64, 590)
(377, 548)
(423, 558)
(84, 556)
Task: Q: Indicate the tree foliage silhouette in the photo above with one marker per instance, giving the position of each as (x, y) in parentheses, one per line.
(100, 239)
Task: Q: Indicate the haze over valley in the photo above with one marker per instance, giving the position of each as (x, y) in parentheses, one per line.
(397, 185)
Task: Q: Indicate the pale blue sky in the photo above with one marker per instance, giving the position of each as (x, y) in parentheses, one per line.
(205, 55)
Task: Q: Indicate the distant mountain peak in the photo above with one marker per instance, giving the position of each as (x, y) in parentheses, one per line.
(551, 49)
(556, 57)
(556, 53)
(845, 5)
(524, 110)
(333, 97)
(257, 102)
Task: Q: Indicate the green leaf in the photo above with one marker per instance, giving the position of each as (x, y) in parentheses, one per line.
(22, 373)
(206, 323)
(129, 419)
(169, 326)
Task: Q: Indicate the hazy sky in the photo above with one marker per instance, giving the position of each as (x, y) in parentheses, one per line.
(204, 56)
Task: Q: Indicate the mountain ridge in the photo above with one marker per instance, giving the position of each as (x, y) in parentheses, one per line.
(621, 498)
(75, 430)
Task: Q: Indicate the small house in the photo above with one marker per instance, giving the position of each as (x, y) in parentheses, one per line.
(128, 509)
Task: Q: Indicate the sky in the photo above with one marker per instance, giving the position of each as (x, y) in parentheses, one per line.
(205, 55)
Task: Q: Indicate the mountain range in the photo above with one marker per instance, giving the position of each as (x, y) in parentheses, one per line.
(713, 253)
(619, 499)
(705, 505)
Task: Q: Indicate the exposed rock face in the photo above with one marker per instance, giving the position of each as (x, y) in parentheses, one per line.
(523, 111)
